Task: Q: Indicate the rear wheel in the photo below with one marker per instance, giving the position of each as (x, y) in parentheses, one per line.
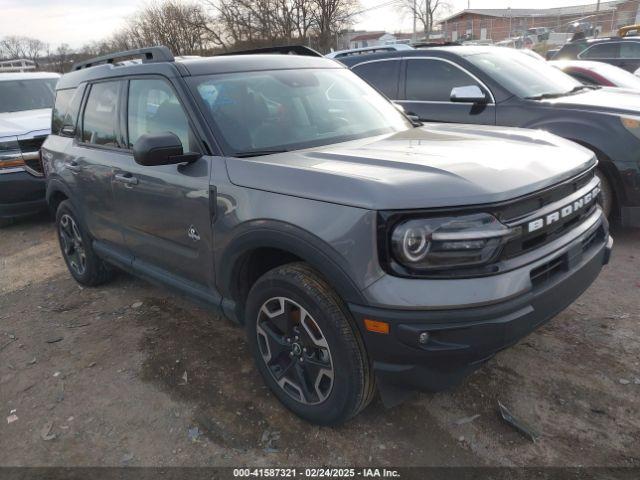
(83, 263)
(306, 346)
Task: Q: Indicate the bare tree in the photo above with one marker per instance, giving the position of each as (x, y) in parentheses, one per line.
(13, 47)
(426, 12)
(331, 16)
(62, 57)
(173, 23)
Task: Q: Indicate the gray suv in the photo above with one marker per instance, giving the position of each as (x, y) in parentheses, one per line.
(362, 252)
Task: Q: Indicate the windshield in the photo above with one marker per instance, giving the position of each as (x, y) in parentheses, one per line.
(523, 75)
(265, 112)
(19, 95)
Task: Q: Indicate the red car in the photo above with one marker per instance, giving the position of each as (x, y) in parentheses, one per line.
(598, 73)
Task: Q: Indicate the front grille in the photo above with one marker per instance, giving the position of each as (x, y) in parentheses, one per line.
(30, 148)
(550, 202)
(550, 269)
(547, 271)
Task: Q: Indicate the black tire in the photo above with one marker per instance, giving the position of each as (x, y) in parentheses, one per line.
(351, 386)
(5, 222)
(607, 196)
(75, 244)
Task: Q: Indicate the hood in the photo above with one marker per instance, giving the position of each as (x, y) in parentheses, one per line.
(21, 123)
(438, 165)
(605, 99)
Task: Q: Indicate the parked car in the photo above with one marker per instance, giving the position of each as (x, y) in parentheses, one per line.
(357, 248)
(498, 86)
(25, 119)
(367, 50)
(541, 33)
(598, 73)
(623, 52)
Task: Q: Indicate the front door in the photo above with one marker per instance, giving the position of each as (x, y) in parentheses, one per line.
(427, 93)
(165, 209)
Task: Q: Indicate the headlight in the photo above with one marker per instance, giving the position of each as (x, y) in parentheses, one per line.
(10, 155)
(449, 242)
(632, 124)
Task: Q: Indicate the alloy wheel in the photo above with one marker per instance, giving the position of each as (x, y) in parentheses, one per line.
(295, 350)
(72, 246)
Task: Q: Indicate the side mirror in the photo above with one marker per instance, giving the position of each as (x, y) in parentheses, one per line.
(68, 131)
(161, 149)
(468, 94)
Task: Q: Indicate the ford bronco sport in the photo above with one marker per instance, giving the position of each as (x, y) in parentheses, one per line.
(361, 252)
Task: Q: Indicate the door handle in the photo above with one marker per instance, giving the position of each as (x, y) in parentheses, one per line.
(125, 178)
(73, 166)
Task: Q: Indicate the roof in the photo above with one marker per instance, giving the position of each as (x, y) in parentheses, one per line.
(537, 12)
(198, 66)
(27, 75)
(369, 36)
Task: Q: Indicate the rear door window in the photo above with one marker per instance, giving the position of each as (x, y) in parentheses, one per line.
(603, 50)
(100, 122)
(630, 50)
(382, 75)
(432, 80)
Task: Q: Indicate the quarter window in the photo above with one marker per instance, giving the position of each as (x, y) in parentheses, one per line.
(100, 115)
(155, 108)
(382, 75)
(65, 110)
(433, 80)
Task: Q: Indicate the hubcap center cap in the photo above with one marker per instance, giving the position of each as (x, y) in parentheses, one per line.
(296, 349)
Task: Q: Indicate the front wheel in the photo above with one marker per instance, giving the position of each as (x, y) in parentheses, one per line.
(606, 194)
(306, 346)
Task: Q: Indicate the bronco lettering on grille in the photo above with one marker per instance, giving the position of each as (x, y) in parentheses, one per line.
(561, 213)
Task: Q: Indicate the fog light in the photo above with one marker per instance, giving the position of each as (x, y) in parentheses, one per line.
(423, 338)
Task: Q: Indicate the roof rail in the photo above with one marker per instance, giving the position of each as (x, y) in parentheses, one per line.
(435, 44)
(149, 55)
(285, 50)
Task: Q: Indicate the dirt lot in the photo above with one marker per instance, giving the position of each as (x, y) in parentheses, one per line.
(97, 377)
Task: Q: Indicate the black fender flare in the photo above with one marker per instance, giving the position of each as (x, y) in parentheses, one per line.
(286, 237)
(55, 186)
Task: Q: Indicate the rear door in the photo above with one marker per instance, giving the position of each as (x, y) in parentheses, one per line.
(164, 209)
(93, 157)
(426, 92)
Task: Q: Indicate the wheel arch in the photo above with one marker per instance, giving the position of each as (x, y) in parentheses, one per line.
(56, 193)
(608, 169)
(260, 246)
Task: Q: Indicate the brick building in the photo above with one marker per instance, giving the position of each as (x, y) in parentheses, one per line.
(499, 24)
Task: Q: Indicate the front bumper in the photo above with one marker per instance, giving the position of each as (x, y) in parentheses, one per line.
(21, 194)
(460, 340)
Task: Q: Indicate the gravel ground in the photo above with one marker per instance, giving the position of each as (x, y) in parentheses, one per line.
(130, 374)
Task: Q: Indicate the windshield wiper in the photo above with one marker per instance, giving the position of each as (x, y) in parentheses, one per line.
(575, 89)
(257, 153)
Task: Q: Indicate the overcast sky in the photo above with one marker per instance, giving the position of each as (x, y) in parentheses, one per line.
(79, 21)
